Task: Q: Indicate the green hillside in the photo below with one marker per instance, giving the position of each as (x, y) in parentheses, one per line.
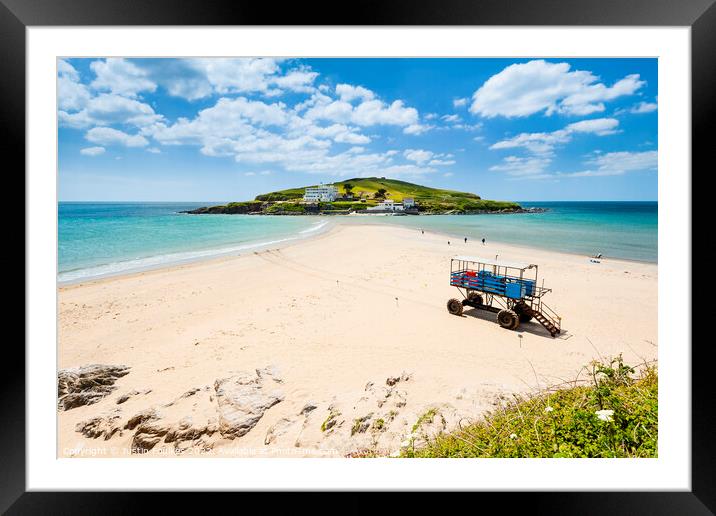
(367, 187)
(360, 193)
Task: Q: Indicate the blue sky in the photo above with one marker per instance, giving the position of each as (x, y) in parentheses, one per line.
(220, 129)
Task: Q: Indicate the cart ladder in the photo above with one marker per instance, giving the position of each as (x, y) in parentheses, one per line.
(543, 314)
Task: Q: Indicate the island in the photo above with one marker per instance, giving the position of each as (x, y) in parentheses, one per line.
(366, 195)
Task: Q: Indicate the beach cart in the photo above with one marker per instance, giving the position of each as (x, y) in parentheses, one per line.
(508, 289)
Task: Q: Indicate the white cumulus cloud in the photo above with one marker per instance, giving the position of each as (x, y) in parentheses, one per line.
(92, 151)
(539, 86)
(451, 118)
(417, 155)
(421, 157)
(236, 75)
(108, 109)
(197, 78)
(109, 136)
(417, 129)
(367, 112)
(348, 92)
(544, 143)
(618, 163)
(599, 126)
(300, 80)
(639, 108)
(441, 162)
(121, 77)
(72, 95)
(533, 167)
(227, 119)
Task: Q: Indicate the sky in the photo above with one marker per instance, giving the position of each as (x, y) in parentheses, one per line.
(227, 129)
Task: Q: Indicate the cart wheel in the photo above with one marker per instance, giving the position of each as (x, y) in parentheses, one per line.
(508, 319)
(474, 297)
(454, 306)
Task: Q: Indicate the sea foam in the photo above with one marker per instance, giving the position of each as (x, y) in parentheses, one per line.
(163, 260)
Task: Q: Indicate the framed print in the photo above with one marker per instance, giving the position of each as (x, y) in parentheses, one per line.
(446, 249)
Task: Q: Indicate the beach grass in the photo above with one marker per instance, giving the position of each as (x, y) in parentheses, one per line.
(614, 415)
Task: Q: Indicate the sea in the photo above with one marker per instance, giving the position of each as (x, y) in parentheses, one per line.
(97, 239)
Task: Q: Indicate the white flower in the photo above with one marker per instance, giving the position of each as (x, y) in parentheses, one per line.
(513, 436)
(548, 409)
(395, 453)
(605, 415)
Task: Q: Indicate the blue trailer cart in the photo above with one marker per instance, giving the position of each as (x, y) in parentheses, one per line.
(508, 289)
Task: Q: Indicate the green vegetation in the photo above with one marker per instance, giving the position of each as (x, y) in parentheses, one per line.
(360, 193)
(616, 415)
(361, 424)
(231, 208)
(342, 205)
(459, 206)
(330, 421)
(368, 187)
(425, 418)
(297, 208)
(285, 207)
(365, 453)
(293, 194)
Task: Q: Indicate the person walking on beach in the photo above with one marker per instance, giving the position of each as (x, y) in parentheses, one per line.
(483, 241)
(466, 240)
(422, 232)
(448, 242)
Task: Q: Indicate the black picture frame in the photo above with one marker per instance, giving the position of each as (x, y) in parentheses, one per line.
(700, 15)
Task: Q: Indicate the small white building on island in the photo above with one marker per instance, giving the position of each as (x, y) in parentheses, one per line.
(387, 206)
(323, 193)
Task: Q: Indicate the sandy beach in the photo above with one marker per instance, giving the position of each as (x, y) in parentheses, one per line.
(336, 345)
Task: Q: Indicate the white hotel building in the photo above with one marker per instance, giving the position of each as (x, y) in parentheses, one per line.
(323, 193)
(387, 205)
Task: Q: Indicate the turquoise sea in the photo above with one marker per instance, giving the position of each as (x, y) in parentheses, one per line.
(626, 230)
(99, 239)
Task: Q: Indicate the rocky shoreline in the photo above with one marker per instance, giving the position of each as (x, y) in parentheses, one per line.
(505, 211)
(248, 210)
(217, 413)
